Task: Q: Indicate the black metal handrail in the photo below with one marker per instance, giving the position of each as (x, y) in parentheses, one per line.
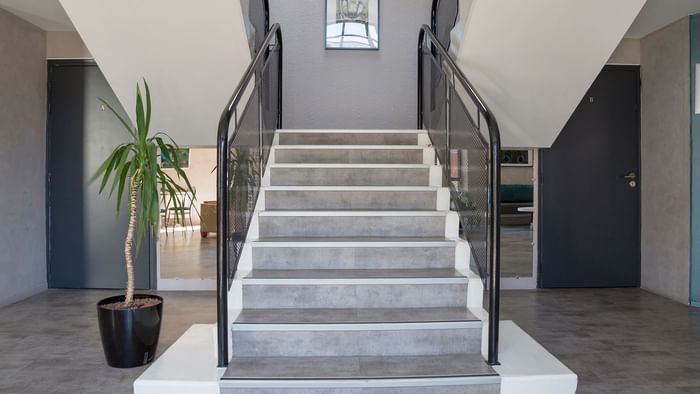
(490, 272)
(227, 265)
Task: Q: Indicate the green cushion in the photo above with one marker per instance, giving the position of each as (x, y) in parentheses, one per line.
(516, 193)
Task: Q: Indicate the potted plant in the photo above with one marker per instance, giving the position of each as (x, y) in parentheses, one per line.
(130, 323)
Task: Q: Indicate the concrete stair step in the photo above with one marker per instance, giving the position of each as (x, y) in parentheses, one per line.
(357, 223)
(353, 315)
(354, 175)
(356, 339)
(368, 154)
(355, 332)
(374, 288)
(356, 198)
(441, 374)
(353, 253)
(352, 137)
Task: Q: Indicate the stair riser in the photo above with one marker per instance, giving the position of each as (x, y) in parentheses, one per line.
(345, 200)
(353, 257)
(352, 226)
(350, 177)
(465, 389)
(348, 138)
(354, 295)
(346, 156)
(356, 343)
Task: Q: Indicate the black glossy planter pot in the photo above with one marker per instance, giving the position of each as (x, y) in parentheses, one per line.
(129, 336)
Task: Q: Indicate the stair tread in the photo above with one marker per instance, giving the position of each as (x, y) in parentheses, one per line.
(365, 367)
(369, 212)
(351, 131)
(354, 273)
(350, 165)
(355, 239)
(354, 212)
(349, 147)
(355, 188)
(353, 315)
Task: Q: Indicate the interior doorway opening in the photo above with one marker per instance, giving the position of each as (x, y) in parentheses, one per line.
(187, 236)
(518, 218)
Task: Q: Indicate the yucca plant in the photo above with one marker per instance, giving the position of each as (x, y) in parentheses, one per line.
(133, 168)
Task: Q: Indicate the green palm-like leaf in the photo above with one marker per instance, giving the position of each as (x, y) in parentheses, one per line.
(136, 163)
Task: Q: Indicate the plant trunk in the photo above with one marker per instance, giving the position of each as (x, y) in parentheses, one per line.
(129, 244)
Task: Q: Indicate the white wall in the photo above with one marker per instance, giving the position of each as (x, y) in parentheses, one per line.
(350, 89)
(192, 53)
(199, 173)
(532, 61)
(22, 159)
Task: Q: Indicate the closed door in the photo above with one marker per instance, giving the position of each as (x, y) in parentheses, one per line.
(589, 190)
(85, 235)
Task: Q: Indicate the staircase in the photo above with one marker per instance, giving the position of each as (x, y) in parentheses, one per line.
(354, 287)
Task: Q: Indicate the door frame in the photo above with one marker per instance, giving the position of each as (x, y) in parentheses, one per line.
(640, 177)
(53, 64)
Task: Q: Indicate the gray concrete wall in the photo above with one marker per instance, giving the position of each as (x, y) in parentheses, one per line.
(345, 88)
(665, 174)
(22, 158)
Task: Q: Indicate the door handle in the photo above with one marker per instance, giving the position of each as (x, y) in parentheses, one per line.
(631, 176)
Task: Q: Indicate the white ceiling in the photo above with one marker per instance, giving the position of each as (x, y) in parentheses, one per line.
(50, 16)
(46, 14)
(659, 13)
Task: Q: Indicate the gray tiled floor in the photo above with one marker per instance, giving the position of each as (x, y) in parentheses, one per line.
(186, 255)
(618, 341)
(50, 343)
(516, 251)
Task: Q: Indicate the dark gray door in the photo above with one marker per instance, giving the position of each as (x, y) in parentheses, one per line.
(589, 190)
(85, 236)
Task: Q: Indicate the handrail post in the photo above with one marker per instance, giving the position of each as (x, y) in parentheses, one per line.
(280, 67)
(259, 81)
(492, 265)
(494, 243)
(222, 247)
(223, 271)
(421, 39)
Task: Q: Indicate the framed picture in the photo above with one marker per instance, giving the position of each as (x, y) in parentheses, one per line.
(352, 24)
(516, 158)
(183, 159)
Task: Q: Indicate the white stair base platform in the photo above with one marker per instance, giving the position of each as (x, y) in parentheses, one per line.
(527, 367)
(188, 366)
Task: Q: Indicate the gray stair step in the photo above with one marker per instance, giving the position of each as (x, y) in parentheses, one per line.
(356, 339)
(348, 137)
(349, 253)
(354, 274)
(354, 316)
(353, 198)
(379, 154)
(349, 175)
(355, 223)
(477, 385)
(355, 332)
(354, 289)
(449, 374)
